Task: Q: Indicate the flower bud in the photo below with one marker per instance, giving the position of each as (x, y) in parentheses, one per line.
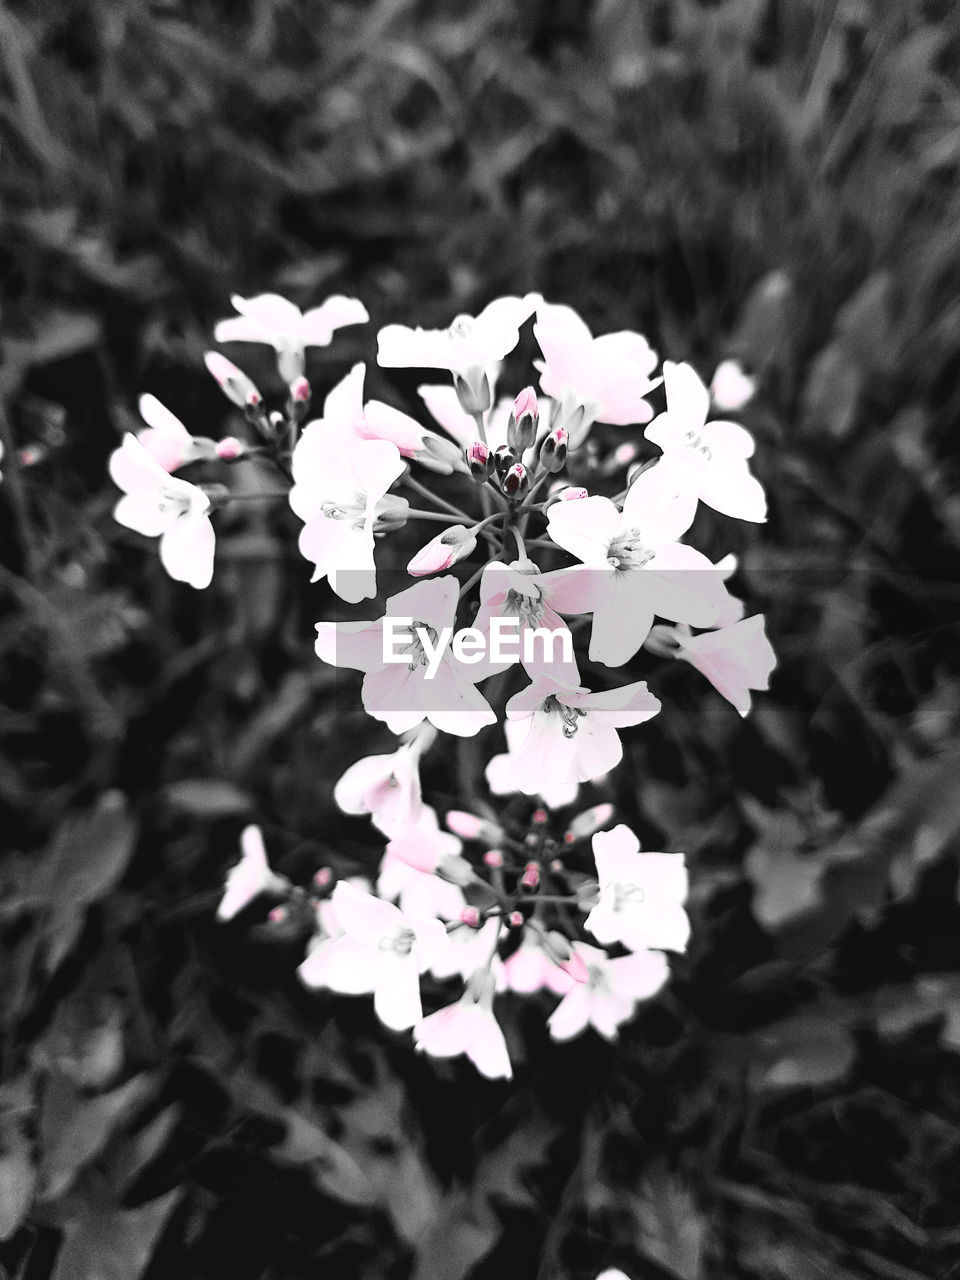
(439, 455)
(473, 390)
(299, 399)
(493, 858)
(391, 512)
(470, 916)
(230, 448)
(515, 919)
(731, 388)
(567, 493)
(323, 877)
(522, 427)
(277, 915)
(444, 550)
(504, 458)
(531, 876)
(553, 451)
(516, 483)
(469, 827)
(233, 382)
(539, 817)
(480, 460)
(586, 823)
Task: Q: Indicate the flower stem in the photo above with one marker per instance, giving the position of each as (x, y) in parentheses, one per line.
(432, 497)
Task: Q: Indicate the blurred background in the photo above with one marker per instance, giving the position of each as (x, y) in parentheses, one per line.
(770, 180)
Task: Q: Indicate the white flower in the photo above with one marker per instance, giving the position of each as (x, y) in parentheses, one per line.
(610, 994)
(710, 458)
(339, 480)
(270, 318)
(468, 343)
(387, 786)
(467, 1027)
(503, 771)
(167, 440)
(641, 894)
(635, 567)
(734, 659)
(250, 877)
(730, 388)
(162, 506)
(381, 950)
(420, 893)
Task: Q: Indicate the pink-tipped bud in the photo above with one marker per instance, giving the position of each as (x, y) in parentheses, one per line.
(516, 483)
(539, 817)
(444, 550)
(624, 454)
(480, 460)
(493, 858)
(556, 864)
(553, 451)
(233, 382)
(230, 448)
(322, 877)
(522, 426)
(565, 493)
(531, 876)
(470, 916)
(300, 391)
(469, 827)
(586, 823)
(277, 915)
(515, 919)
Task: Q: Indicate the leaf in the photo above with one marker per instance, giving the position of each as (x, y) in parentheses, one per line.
(208, 798)
(87, 856)
(804, 1051)
(74, 1128)
(105, 1244)
(671, 1226)
(18, 1180)
(831, 392)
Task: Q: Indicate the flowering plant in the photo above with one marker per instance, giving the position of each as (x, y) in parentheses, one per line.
(502, 896)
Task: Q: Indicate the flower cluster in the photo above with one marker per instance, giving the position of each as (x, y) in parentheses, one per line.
(547, 558)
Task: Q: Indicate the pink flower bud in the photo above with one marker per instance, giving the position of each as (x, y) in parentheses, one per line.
(493, 858)
(516, 483)
(515, 919)
(442, 551)
(322, 877)
(300, 391)
(522, 427)
(526, 403)
(230, 448)
(277, 915)
(566, 493)
(624, 454)
(586, 823)
(480, 461)
(233, 382)
(470, 916)
(461, 823)
(556, 865)
(539, 817)
(531, 876)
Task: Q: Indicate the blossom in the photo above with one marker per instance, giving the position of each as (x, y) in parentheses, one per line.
(250, 877)
(468, 342)
(502, 771)
(420, 893)
(467, 1027)
(572, 733)
(710, 458)
(381, 950)
(399, 692)
(270, 318)
(537, 964)
(167, 440)
(730, 387)
(470, 952)
(610, 994)
(600, 379)
(162, 506)
(387, 786)
(518, 591)
(339, 480)
(641, 894)
(443, 551)
(422, 844)
(636, 568)
(735, 659)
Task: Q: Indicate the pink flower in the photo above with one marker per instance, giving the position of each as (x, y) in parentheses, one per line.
(468, 343)
(443, 551)
(604, 378)
(402, 692)
(734, 659)
(444, 406)
(572, 734)
(502, 771)
(167, 440)
(233, 382)
(387, 786)
(420, 893)
(730, 388)
(636, 568)
(272, 319)
(470, 952)
(467, 1027)
(535, 966)
(339, 482)
(161, 506)
(518, 592)
(710, 458)
(609, 996)
(381, 950)
(641, 895)
(421, 844)
(250, 877)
